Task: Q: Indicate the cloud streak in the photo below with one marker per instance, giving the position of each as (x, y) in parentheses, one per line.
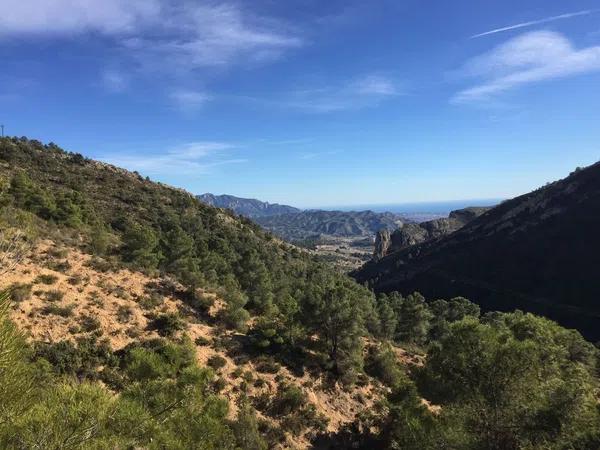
(529, 58)
(535, 22)
(361, 92)
(188, 101)
(194, 158)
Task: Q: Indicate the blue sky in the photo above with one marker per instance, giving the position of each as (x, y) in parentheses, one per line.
(312, 103)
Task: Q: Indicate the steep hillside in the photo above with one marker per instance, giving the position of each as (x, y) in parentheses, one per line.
(63, 296)
(137, 260)
(247, 207)
(537, 252)
(317, 223)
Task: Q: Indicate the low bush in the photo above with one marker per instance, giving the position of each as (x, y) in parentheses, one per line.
(266, 364)
(46, 279)
(202, 341)
(20, 292)
(124, 314)
(167, 324)
(59, 266)
(53, 295)
(89, 324)
(216, 362)
(63, 311)
(151, 301)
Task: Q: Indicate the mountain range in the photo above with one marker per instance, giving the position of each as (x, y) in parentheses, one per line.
(294, 224)
(537, 252)
(317, 223)
(247, 207)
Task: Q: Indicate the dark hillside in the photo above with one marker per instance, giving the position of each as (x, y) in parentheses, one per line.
(538, 252)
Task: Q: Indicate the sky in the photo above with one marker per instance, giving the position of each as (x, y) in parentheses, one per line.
(312, 103)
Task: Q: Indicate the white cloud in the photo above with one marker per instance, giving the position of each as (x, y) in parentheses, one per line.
(212, 35)
(188, 100)
(159, 36)
(535, 22)
(193, 158)
(526, 59)
(75, 16)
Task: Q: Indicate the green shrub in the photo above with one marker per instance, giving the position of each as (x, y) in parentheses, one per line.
(216, 362)
(101, 264)
(81, 359)
(124, 313)
(89, 323)
(266, 364)
(58, 266)
(151, 301)
(143, 365)
(167, 324)
(288, 399)
(46, 279)
(63, 311)
(382, 364)
(20, 292)
(54, 295)
(202, 341)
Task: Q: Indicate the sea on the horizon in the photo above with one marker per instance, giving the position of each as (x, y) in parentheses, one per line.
(426, 208)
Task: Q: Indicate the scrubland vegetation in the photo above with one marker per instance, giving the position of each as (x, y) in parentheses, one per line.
(478, 381)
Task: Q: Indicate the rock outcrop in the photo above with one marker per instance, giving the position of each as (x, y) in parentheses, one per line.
(382, 244)
(410, 234)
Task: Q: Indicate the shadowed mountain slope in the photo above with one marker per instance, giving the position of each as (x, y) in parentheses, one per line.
(538, 252)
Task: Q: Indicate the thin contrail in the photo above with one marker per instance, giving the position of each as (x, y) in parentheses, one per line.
(536, 22)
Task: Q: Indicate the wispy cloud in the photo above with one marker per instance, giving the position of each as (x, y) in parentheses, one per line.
(173, 42)
(193, 158)
(361, 92)
(315, 155)
(535, 22)
(187, 100)
(203, 35)
(114, 80)
(526, 59)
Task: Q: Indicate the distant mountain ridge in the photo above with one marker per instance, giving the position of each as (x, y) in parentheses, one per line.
(292, 223)
(310, 223)
(248, 207)
(537, 252)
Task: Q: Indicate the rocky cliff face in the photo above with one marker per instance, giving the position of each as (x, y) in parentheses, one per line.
(415, 233)
(382, 244)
